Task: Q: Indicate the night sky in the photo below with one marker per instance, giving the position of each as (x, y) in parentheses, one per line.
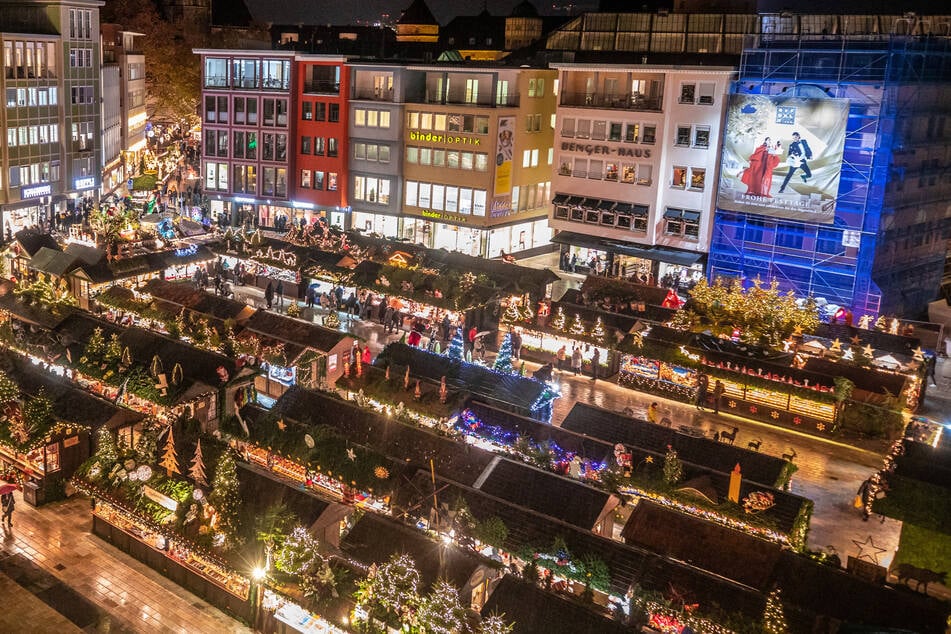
(344, 12)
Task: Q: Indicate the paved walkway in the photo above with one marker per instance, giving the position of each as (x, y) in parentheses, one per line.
(52, 546)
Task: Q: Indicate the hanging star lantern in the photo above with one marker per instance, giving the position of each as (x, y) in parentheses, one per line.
(918, 353)
(351, 454)
(836, 345)
(797, 331)
(855, 340)
(868, 549)
(867, 351)
(849, 355)
(649, 459)
(281, 424)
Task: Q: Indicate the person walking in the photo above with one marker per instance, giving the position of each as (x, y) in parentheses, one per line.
(516, 344)
(718, 390)
(280, 294)
(560, 357)
(7, 503)
(576, 360)
(269, 294)
(653, 413)
(595, 362)
(388, 319)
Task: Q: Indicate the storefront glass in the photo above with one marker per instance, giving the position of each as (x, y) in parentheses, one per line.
(387, 226)
(683, 278)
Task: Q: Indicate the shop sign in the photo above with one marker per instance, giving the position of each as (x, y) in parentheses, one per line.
(851, 238)
(429, 137)
(501, 206)
(71, 441)
(438, 215)
(35, 191)
(591, 148)
(85, 183)
(400, 258)
(160, 498)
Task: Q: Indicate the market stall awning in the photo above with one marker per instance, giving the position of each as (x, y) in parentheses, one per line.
(651, 252)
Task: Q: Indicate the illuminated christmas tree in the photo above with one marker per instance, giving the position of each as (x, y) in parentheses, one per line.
(224, 496)
(113, 352)
(9, 390)
(559, 322)
(673, 467)
(107, 453)
(577, 326)
(598, 331)
(774, 618)
(495, 624)
(455, 346)
(390, 589)
(170, 457)
(512, 313)
(441, 612)
(197, 469)
(95, 347)
(503, 362)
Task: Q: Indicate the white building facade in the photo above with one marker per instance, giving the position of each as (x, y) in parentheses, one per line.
(636, 166)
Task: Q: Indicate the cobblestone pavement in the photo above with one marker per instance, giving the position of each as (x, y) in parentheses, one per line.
(51, 553)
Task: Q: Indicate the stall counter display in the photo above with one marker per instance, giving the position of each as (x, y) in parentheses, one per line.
(234, 583)
(640, 367)
(545, 342)
(787, 402)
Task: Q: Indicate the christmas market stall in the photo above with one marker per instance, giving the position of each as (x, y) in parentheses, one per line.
(292, 352)
(255, 260)
(499, 386)
(149, 372)
(26, 244)
(47, 426)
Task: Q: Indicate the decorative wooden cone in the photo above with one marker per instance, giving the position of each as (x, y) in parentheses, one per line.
(346, 369)
(417, 393)
(406, 379)
(443, 393)
(359, 365)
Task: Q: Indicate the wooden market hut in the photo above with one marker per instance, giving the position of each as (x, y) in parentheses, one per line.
(26, 244)
(175, 296)
(313, 355)
(71, 439)
(209, 381)
(374, 539)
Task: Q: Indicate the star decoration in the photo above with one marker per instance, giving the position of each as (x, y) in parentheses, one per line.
(797, 420)
(774, 414)
(919, 354)
(797, 331)
(836, 345)
(732, 404)
(868, 549)
(753, 409)
(849, 355)
(867, 351)
(351, 454)
(281, 424)
(649, 459)
(820, 426)
(855, 340)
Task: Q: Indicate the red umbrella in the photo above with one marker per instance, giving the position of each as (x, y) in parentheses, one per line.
(6, 487)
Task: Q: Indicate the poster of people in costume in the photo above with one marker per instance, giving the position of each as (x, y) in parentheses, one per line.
(782, 156)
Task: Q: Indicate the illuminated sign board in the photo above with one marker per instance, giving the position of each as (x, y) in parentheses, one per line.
(85, 183)
(438, 215)
(429, 137)
(35, 191)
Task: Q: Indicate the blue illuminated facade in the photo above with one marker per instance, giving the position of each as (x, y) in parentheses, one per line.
(886, 250)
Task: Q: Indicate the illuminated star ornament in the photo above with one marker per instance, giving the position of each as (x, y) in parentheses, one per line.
(919, 354)
(836, 345)
(649, 459)
(351, 454)
(855, 340)
(868, 549)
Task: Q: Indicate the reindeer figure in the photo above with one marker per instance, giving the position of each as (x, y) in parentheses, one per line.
(753, 445)
(791, 456)
(729, 436)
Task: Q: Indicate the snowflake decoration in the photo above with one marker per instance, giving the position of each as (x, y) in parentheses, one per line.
(774, 415)
(797, 420)
(732, 404)
(753, 409)
(820, 426)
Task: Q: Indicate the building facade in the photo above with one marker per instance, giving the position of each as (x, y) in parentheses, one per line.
(123, 106)
(636, 161)
(472, 161)
(321, 150)
(879, 242)
(247, 128)
(52, 119)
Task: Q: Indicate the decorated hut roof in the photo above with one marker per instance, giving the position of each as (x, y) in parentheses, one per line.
(52, 261)
(300, 333)
(724, 551)
(374, 539)
(534, 610)
(34, 314)
(184, 294)
(546, 493)
(32, 241)
(260, 490)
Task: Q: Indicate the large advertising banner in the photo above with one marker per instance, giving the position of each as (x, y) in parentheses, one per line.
(782, 156)
(502, 196)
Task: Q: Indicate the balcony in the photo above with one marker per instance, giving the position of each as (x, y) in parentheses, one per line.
(321, 86)
(634, 101)
(505, 101)
(373, 94)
